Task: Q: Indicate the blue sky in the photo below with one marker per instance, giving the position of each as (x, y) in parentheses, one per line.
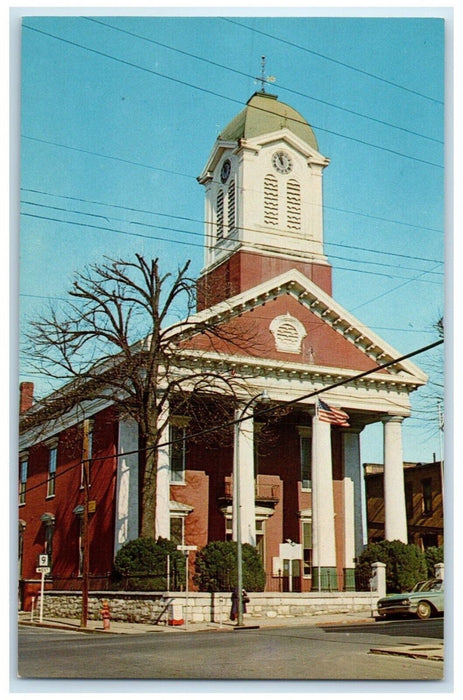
(119, 114)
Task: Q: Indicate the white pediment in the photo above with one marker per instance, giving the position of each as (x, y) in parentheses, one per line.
(286, 136)
(321, 304)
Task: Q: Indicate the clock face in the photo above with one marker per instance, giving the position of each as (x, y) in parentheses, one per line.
(282, 162)
(225, 171)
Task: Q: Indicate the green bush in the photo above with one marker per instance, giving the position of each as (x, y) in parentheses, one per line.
(433, 556)
(405, 564)
(216, 567)
(141, 565)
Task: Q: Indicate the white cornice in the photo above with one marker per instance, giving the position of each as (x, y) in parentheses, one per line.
(264, 367)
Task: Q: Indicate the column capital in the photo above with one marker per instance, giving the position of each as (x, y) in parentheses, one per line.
(393, 419)
(355, 429)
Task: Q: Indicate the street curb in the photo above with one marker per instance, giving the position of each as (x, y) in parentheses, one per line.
(435, 653)
(66, 628)
(345, 623)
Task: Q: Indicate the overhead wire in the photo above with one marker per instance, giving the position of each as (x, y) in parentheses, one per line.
(236, 421)
(200, 245)
(249, 75)
(334, 60)
(189, 218)
(202, 235)
(226, 97)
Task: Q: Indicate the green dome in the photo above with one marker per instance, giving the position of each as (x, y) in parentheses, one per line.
(264, 114)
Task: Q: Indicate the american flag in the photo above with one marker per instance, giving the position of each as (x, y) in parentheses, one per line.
(327, 414)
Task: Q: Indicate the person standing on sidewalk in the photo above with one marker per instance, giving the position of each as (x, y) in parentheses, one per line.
(234, 599)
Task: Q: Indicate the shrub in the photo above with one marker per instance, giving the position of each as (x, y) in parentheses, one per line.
(405, 564)
(216, 567)
(141, 565)
(433, 556)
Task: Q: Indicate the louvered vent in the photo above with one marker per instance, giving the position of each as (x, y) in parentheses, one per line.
(293, 205)
(220, 214)
(271, 200)
(288, 333)
(231, 208)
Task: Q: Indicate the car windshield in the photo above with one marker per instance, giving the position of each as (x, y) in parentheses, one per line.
(433, 585)
(418, 586)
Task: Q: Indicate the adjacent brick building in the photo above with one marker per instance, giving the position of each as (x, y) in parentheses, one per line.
(423, 501)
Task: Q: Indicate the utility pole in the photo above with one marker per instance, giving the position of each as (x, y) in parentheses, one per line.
(85, 538)
(440, 419)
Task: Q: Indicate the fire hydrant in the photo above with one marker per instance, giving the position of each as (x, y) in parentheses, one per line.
(105, 614)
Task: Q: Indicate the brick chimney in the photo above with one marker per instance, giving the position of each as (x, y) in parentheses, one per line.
(26, 396)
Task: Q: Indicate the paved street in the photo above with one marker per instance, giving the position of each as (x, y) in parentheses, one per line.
(303, 652)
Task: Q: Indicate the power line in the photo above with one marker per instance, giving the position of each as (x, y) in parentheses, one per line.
(200, 245)
(226, 97)
(333, 60)
(195, 233)
(248, 75)
(257, 414)
(189, 218)
(243, 228)
(389, 291)
(103, 155)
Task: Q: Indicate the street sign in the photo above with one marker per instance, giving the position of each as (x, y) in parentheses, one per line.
(43, 569)
(187, 547)
(43, 560)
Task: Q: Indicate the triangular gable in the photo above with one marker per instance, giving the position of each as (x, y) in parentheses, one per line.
(336, 321)
(256, 144)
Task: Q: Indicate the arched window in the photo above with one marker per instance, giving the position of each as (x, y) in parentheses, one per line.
(220, 214)
(293, 204)
(231, 207)
(271, 200)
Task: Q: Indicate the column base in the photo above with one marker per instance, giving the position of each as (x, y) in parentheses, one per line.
(349, 579)
(324, 578)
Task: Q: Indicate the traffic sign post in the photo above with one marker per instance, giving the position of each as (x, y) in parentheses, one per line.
(42, 568)
(186, 549)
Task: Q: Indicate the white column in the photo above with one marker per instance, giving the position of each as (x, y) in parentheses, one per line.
(126, 526)
(395, 514)
(243, 470)
(353, 473)
(324, 543)
(162, 523)
(349, 523)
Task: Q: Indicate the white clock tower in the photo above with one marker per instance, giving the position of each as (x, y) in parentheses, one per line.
(263, 209)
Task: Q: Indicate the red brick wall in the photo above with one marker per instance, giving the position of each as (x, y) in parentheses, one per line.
(68, 495)
(246, 270)
(322, 345)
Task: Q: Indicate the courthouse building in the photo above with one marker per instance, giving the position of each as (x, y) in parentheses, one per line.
(300, 489)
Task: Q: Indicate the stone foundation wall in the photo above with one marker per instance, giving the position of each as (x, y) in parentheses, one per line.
(158, 608)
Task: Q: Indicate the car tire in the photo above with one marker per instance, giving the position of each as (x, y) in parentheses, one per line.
(424, 610)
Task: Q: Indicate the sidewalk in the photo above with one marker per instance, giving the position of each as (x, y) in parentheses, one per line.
(116, 627)
(434, 651)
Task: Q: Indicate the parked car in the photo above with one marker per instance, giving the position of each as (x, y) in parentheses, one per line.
(426, 599)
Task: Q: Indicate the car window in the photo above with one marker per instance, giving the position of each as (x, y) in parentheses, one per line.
(433, 585)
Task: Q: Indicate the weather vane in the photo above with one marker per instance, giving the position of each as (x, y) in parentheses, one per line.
(263, 79)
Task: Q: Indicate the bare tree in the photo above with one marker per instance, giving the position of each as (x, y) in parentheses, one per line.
(115, 340)
(431, 406)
